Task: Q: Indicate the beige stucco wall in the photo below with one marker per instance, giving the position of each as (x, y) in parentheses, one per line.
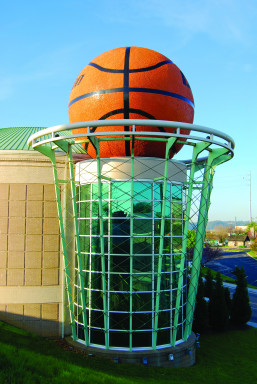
(235, 243)
(31, 278)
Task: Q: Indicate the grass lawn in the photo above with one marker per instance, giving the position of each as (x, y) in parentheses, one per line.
(226, 279)
(252, 254)
(223, 358)
(214, 274)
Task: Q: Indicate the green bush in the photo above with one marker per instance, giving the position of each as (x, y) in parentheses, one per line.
(201, 322)
(218, 310)
(241, 311)
(254, 246)
(228, 300)
(208, 286)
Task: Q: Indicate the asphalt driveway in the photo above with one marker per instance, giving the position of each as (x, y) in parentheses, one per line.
(228, 260)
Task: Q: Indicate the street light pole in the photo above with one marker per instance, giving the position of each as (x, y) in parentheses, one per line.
(250, 198)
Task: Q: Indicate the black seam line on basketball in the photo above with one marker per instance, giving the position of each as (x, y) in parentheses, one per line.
(126, 83)
(144, 69)
(126, 96)
(164, 93)
(143, 90)
(109, 114)
(184, 80)
(131, 110)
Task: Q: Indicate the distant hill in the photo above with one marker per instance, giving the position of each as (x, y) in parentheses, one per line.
(212, 224)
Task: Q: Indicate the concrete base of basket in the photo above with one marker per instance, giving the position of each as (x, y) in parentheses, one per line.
(182, 355)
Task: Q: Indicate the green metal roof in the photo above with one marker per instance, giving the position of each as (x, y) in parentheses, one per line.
(15, 138)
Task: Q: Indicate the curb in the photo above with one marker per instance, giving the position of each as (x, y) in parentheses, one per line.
(254, 258)
(251, 290)
(252, 324)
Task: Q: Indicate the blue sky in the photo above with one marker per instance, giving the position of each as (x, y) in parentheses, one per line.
(45, 45)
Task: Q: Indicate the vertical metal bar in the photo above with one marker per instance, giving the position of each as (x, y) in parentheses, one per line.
(64, 247)
(153, 260)
(212, 161)
(197, 254)
(199, 147)
(100, 199)
(197, 249)
(63, 274)
(109, 250)
(77, 243)
(169, 144)
(171, 269)
(208, 198)
(131, 246)
(90, 269)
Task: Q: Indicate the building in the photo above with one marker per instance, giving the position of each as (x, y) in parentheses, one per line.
(98, 251)
(240, 240)
(31, 278)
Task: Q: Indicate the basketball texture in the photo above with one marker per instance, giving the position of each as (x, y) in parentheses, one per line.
(131, 83)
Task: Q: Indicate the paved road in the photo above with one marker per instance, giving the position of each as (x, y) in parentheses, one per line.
(228, 260)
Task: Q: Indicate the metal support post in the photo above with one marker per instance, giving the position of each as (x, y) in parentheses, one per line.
(200, 234)
(131, 246)
(95, 142)
(78, 248)
(51, 154)
(169, 144)
(199, 147)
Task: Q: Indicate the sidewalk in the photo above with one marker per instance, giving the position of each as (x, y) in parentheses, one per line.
(251, 324)
(229, 285)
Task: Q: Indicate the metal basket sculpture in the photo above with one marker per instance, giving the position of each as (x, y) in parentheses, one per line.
(125, 239)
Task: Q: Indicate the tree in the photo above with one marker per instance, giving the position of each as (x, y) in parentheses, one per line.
(200, 323)
(252, 228)
(228, 300)
(218, 310)
(208, 285)
(210, 236)
(241, 311)
(191, 235)
(221, 232)
(253, 246)
(209, 253)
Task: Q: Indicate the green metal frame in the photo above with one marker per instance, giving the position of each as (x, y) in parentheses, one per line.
(66, 147)
(95, 143)
(77, 244)
(198, 149)
(169, 144)
(131, 245)
(49, 152)
(215, 157)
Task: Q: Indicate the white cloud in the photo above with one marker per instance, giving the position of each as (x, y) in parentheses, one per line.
(222, 20)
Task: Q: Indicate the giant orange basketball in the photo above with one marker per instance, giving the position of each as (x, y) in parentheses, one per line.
(131, 83)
